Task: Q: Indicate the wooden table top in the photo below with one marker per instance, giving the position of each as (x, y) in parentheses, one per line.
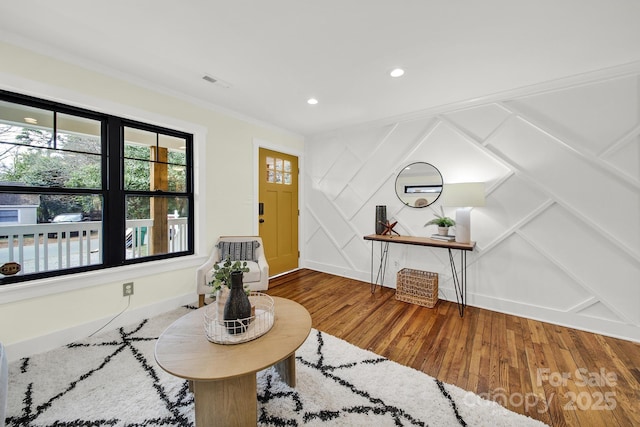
(184, 351)
(421, 241)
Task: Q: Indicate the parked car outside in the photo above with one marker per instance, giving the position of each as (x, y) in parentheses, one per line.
(66, 217)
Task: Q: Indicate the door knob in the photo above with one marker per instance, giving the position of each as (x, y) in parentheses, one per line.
(261, 220)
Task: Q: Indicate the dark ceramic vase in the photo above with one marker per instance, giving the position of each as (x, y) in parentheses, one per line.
(381, 218)
(237, 306)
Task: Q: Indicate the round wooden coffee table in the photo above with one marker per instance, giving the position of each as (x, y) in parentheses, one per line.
(223, 377)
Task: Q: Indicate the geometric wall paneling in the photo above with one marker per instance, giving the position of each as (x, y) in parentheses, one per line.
(330, 219)
(340, 173)
(626, 156)
(311, 226)
(381, 161)
(364, 141)
(354, 252)
(616, 294)
(597, 310)
(466, 158)
(559, 236)
(325, 251)
(479, 122)
(321, 157)
(505, 210)
(570, 179)
(578, 151)
(588, 117)
(349, 201)
(520, 273)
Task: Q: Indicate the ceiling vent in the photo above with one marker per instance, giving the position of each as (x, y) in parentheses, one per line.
(216, 81)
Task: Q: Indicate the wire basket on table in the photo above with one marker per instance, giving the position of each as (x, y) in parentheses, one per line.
(258, 324)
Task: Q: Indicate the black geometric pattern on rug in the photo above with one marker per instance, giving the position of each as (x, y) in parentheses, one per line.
(180, 405)
(377, 405)
(125, 342)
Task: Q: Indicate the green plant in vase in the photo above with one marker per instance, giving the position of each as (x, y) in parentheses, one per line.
(222, 274)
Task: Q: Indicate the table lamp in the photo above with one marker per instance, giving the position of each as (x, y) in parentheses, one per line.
(465, 196)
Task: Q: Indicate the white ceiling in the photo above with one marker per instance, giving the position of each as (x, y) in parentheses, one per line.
(277, 53)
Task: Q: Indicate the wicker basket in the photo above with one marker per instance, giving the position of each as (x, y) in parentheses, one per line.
(417, 287)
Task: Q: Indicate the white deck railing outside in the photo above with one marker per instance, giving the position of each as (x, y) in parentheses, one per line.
(46, 247)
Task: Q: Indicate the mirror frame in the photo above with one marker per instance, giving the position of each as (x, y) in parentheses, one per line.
(421, 187)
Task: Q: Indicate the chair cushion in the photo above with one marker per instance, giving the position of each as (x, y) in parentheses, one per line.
(253, 275)
(239, 251)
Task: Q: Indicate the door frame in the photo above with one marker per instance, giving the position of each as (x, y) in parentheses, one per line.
(261, 143)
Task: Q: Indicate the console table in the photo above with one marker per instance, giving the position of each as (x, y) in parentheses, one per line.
(459, 283)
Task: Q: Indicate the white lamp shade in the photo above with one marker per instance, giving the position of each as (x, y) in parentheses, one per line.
(464, 194)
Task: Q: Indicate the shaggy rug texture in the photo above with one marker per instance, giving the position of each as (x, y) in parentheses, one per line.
(112, 380)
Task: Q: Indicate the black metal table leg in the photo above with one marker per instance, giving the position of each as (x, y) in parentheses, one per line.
(382, 268)
(459, 283)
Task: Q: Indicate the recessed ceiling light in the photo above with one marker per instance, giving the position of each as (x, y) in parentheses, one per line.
(312, 101)
(31, 120)
(397, 72)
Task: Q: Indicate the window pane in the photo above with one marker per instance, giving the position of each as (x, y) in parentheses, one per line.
(29, 156)
(50, 232)
(136, 175)
(176, 148)
(78, 134)
(51, 205)
(156, 225)
(138, 142)
(137, 151)
(20, 124)
(177, 178)
(40, 167)
(157, 167)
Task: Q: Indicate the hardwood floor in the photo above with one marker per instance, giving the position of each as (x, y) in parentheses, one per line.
(561, 376)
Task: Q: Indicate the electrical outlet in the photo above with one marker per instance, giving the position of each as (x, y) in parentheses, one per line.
(127, 289)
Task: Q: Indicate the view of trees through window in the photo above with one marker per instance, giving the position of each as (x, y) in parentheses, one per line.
(59, 167)
(30, 156)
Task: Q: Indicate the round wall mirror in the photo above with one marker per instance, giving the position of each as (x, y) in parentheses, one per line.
(419, 184)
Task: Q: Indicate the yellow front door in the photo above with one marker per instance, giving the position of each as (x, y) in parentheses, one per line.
(278, 210)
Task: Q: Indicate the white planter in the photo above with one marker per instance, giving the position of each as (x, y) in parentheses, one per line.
(443, 231)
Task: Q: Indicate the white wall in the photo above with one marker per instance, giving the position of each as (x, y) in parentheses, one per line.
(46, 313)
(559, 237)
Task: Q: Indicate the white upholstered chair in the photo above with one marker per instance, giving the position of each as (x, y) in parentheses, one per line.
(236, 248)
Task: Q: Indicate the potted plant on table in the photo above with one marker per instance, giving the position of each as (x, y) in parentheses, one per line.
(442, 221)
(221, 283)
(222, 274)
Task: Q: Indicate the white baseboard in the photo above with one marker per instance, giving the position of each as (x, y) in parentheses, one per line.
(26, 348)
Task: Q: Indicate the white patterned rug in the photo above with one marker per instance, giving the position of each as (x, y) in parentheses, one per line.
(112, 380)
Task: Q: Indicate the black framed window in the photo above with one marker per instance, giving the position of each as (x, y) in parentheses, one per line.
(81, 190)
